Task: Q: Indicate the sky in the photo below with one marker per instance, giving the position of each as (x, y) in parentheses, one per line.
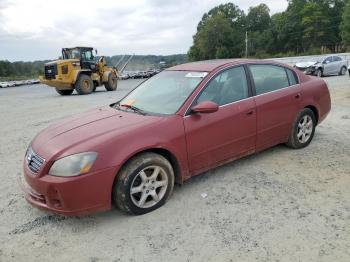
(38, 29)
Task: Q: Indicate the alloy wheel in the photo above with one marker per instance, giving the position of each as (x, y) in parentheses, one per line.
(305, 128)
(149, 186)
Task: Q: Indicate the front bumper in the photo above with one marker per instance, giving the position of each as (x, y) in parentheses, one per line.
(307, 70)
(60, 84)
(70, 196)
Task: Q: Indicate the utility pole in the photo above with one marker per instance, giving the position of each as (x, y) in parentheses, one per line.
(246, 44)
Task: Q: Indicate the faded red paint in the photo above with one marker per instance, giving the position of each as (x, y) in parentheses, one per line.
(197, 142)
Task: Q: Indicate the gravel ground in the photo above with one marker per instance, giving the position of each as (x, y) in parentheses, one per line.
(279, 205)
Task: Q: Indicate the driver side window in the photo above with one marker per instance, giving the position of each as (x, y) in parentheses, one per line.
(328, 60)
(227, 87)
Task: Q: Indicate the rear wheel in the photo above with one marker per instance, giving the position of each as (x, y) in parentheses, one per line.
(65, 92)
(342, 71)
(143, 184)
(111, 84)
(84, 85)
(303, 130)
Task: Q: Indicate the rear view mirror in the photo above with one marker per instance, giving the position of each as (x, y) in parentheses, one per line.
(205, 107)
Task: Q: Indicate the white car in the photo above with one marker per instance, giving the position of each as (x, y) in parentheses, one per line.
(4, 84)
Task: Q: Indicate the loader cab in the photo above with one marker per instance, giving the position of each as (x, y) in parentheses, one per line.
(84, 54)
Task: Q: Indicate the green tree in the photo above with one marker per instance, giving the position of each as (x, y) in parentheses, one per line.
(315, 23)
(345, 25)
(258, 18)
(220, 34)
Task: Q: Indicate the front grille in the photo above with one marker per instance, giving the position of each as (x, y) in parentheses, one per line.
(34, 161)
(50, 71)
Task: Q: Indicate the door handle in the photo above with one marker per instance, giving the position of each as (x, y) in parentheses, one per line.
(297, 96)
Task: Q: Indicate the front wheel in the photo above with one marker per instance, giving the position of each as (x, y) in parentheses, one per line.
(319, 73)
(84, 85)
(303, 130)
(143, 184)
(64, 92)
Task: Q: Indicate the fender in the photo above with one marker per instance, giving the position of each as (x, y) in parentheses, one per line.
(77, 73)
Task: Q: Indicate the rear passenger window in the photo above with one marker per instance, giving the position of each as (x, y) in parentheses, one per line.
(268, 78)
(293, 80)
(336, 59)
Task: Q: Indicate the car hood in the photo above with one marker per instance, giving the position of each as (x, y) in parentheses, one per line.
(305, 64)
(83, 131)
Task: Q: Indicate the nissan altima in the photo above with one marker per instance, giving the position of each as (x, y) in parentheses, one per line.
(178, 124)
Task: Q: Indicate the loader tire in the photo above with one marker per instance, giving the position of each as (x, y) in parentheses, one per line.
(84, 85)
(64, 92)
(111, 84)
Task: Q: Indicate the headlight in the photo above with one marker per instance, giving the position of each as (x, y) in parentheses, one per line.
(73, 165)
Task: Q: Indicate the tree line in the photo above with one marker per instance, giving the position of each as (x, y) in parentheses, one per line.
(305, 27)
(16, 70)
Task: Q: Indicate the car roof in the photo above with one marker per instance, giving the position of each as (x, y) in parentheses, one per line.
(211, 65)
(78, 47)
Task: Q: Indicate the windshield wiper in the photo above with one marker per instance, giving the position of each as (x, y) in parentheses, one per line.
(134, 108)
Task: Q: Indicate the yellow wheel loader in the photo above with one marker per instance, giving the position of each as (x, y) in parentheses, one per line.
(78, 69)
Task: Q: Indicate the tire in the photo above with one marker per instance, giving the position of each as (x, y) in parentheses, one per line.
(150, 192)
(111, 84)
(303, 130)
(342, 71)
(319, 73)
(84, 85)
(65, 92)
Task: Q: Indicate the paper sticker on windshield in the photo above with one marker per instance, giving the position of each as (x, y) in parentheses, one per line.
(196, 74)
(130, 102)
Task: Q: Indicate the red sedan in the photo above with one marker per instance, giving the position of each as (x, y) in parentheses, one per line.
(178, 124)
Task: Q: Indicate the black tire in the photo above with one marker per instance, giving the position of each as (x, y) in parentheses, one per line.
(65, 92)
(342, 71)
(130, 175)
(84, 85)
(319, 73)
(296, 138)
(111, 84)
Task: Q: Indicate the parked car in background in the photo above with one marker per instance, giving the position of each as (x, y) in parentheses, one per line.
(330, 65)
(123, 77)
(4, 84)
(185, 120)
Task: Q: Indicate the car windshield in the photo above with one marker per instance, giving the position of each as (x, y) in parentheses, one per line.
(163, 93)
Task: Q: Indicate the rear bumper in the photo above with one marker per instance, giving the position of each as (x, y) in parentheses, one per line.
(59, 84)
(70, 196)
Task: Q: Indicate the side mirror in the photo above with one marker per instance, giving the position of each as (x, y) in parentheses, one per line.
(96, 51)
(205, 107)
